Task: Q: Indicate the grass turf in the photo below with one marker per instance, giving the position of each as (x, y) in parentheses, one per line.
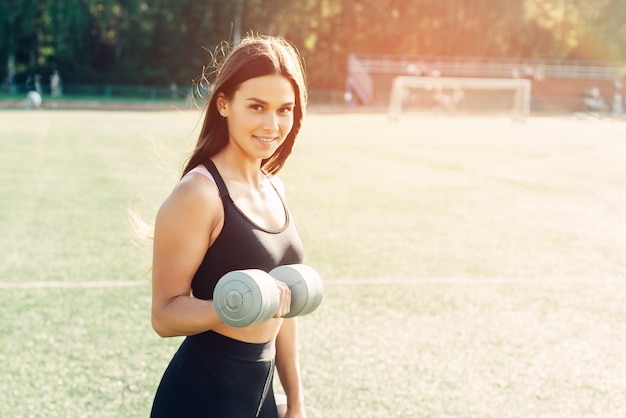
(473, 267)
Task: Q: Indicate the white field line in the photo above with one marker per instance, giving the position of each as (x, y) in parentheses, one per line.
(479, 281)
(350, 282)
(71, 285)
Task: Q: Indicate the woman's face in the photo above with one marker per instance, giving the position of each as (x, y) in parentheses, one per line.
(260, 115)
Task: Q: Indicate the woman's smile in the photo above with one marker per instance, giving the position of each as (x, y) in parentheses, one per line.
(259, 115)
(265, 140)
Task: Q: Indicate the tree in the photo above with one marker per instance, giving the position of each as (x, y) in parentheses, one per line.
(165, 41)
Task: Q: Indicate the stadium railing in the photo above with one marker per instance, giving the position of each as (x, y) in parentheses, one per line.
(491, 67)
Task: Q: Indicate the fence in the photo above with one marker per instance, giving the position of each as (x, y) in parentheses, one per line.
(490, 67)
(106, 92)
(150, 94)
(111, 92)
(557, 85)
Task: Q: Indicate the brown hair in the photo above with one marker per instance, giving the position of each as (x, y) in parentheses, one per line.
(255, 56)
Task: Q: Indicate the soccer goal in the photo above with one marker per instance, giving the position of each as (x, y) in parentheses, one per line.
(454, 94)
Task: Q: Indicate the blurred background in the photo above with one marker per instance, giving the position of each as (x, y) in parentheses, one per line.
(573, 51)
(473, 267)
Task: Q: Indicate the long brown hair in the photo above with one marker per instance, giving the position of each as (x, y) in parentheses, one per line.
(255, 56)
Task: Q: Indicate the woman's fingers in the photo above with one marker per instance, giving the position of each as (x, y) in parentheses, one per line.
(284, 304)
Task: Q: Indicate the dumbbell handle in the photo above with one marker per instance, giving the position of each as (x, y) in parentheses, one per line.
(305, 285)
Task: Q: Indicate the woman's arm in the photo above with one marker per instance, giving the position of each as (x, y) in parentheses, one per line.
(288, 367)
(184, 229)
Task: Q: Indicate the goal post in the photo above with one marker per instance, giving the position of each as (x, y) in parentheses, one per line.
(451, 91)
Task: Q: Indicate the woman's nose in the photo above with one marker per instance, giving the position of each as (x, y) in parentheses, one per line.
(270, 122)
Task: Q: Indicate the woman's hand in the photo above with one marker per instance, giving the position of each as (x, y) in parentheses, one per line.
(284, 304)
(295, 413)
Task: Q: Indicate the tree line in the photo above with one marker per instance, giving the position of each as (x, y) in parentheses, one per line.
(160, 42)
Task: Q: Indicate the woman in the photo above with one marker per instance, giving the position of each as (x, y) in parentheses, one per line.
(228, 213)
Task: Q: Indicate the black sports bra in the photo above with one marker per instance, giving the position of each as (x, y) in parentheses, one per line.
(244, 245)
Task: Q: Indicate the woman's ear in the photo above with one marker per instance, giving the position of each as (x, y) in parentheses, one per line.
(222, 104)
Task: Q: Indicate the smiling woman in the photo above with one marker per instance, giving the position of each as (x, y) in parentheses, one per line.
(259, 115)
(228, 213)
(255, 57)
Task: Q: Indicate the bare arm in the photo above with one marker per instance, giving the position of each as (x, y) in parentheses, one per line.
(288, 367)
(184, 229)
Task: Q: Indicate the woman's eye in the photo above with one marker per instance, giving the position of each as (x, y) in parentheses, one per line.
(285, 110)
(256, 107)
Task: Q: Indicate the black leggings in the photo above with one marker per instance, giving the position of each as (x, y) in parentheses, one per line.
(215, 376)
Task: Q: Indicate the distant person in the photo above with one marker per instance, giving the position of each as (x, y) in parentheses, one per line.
(593, 100)
(55, 84)
(449, 101)
(9, 86)
(228, 213)
(618, 104)
(174, 90)
(33, 99)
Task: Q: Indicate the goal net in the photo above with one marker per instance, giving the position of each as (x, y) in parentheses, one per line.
(493, 95)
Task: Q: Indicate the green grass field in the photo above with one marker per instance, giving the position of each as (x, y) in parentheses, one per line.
(473, 267)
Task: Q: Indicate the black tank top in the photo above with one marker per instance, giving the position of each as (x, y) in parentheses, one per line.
(244, 245)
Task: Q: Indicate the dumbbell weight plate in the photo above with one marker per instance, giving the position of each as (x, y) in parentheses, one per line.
(245, 297)
(306, 287)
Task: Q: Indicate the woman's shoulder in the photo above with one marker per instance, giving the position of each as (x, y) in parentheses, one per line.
(195, 194)
(198, 183)
(202, 171)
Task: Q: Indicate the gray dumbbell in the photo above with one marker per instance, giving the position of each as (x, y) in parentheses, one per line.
(306, 287)
(243, 298)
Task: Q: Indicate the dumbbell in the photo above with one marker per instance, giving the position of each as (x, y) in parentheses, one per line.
(243, 298)
(306, 288)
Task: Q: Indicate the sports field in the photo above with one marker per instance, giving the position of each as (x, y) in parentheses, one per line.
(473, 267)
